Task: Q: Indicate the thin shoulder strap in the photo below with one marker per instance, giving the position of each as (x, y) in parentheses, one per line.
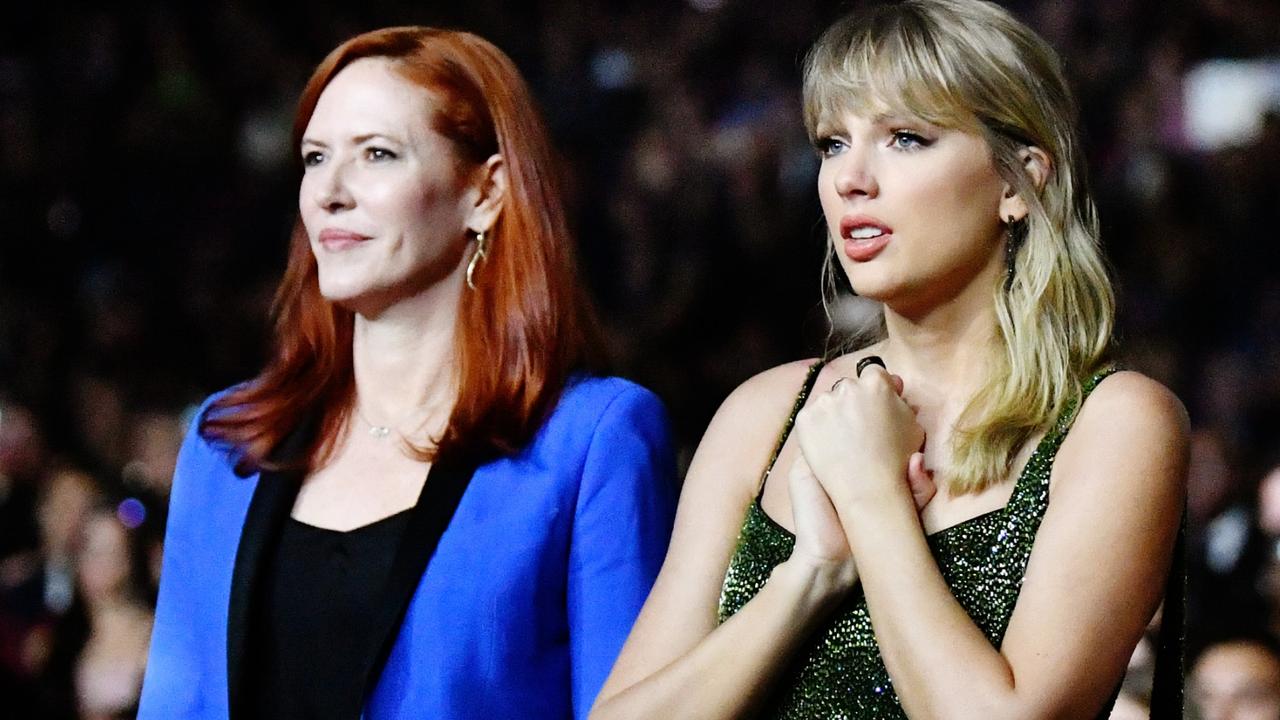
(1166, 685)
(1058, 432)
(805, 389)
(1034, 479)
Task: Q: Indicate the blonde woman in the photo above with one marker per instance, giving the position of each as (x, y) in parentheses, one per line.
(814, 571)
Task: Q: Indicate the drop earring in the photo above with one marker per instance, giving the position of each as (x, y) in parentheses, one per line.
(1015, 236)
(482, 250)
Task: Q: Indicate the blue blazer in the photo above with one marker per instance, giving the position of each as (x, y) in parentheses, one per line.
(522, 610)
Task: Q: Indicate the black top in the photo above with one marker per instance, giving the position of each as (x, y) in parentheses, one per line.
(313, 621)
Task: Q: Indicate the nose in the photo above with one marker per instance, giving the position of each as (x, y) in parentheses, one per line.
(854, 174)
(332, 193)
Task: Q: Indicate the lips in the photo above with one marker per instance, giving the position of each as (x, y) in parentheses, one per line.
(864, 237)
(336, 239)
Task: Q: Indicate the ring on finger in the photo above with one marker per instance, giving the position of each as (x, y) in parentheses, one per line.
(867, 361)
(836, 384)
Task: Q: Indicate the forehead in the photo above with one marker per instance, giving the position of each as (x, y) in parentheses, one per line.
(370, 95)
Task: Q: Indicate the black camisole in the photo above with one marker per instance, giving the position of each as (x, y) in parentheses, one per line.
(312, 621)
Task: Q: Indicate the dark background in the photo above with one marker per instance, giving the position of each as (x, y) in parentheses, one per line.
(147, 187)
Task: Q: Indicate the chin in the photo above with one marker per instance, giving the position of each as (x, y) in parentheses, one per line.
(870, 283)
(890, 292)
(356, 294)
(340, 291)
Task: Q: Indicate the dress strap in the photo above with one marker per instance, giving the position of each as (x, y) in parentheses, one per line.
(803, 396)
(1058, 432)
(1034, 479)
(1170, 662)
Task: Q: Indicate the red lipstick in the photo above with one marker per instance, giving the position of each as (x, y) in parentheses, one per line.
(864, 236)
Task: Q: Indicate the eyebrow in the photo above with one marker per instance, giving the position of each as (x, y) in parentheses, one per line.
(358, 139)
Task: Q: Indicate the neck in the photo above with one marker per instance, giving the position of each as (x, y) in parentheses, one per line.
(404, 359)
(945, 351)
(947, 344)
(943, 354)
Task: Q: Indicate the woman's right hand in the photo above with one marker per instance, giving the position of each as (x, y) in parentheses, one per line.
(821, 547)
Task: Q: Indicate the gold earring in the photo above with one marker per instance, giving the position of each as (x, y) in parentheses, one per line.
(482, 249)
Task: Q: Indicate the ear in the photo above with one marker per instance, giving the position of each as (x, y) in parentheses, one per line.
(1037, 165)
(489, 191)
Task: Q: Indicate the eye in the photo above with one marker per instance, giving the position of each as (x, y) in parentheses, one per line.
(378, 154)
(908, 140)
(312, 158)
(828, 146)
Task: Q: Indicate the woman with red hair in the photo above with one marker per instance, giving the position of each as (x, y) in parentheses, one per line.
(422, 507)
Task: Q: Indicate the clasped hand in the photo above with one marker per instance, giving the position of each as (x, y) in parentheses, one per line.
(860, 445)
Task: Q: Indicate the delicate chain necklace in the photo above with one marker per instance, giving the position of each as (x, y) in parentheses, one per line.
(380, 432)
(376, 431)
(414, 420)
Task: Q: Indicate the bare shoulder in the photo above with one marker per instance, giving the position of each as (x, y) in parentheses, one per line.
(749, 421)
(1128, 406)
(773, 388)
(1130, 422)
(761, 404)
(1136, 397)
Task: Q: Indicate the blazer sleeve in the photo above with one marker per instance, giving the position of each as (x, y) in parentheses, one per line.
(622, 523)
(175, 674)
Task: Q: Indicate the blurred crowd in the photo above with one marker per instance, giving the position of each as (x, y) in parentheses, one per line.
(147, 187)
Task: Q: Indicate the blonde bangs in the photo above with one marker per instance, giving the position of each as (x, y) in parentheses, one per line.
(872, 69)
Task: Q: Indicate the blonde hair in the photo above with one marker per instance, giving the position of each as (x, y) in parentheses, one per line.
(968, 64)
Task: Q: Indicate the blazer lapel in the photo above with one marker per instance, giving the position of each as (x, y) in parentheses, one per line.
(446, 482)
(272, 502)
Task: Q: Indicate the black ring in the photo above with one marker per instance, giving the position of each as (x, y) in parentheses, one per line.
(836, 384)
(868, 360)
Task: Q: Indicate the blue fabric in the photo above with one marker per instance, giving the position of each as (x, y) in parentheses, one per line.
(523, 608)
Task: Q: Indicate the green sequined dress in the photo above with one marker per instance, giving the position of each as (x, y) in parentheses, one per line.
(839, 674)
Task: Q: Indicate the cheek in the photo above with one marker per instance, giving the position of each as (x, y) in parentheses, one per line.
(961, 203)
(308, 210)
(437, 213)
(407, 207)
(829, 199)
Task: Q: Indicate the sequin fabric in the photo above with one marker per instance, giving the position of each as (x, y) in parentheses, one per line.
(840, 675)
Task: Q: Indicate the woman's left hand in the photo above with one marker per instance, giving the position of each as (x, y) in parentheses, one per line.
(859, 440)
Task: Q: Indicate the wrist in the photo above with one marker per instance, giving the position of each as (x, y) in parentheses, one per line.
(871, 493)
(814, 585)
(877, 527)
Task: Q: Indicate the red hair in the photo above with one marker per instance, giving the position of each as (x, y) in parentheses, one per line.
(520, 333)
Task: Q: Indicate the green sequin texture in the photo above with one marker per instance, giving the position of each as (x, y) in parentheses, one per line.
(840, 675)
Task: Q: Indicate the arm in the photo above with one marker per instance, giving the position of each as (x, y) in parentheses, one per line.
(1093, 580)
(677, 660)
(621, 525)
(173, 677)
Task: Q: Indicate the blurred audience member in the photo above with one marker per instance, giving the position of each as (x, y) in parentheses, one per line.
(1226, 551)
(1237, 679)
(98, 650)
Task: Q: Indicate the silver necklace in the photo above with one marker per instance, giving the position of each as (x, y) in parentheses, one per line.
(379, 432)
